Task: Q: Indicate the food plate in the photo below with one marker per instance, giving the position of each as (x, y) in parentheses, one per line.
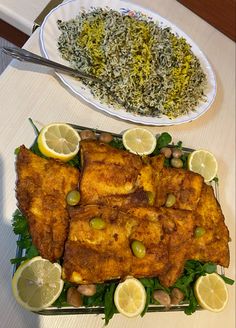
(49, 35)
(52, 310)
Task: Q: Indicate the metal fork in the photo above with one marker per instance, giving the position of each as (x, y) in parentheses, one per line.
(27, 56)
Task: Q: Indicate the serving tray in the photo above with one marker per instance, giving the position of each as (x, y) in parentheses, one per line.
(68, 310)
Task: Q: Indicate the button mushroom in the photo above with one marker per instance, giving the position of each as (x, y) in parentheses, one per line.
(162, 297)
(105, 137)
(87, 134)
(87, 290)
(176, 296)
(166, 151)
(73, 297)
(177, 153)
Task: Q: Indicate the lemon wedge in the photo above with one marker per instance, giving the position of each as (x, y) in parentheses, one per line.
(203, 162)
(130, 297)
(37, 283)
(59, 140)
(211, 292)
(139, 141)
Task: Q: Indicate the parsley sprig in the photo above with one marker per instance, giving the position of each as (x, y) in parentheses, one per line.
(24, 243)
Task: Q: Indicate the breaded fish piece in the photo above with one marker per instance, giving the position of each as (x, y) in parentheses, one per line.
(93, 256)
(41, 189)
(106, 171)
(173, 245)
(212, 246)
(145, 191)
(184, 184)
(116, 177)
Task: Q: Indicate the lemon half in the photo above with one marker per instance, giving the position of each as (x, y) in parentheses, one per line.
(211, 292)
(139, 141)
(59, 140)
(37, 283)
(130, 297)
(203, 162)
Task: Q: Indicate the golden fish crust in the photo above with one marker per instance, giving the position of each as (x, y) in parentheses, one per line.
(41, 189)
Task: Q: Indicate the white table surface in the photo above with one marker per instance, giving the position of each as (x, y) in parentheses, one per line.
(21, 13)
(29, 91)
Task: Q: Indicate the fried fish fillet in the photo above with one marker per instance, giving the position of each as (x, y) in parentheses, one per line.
(93, 256)
(212, 246)
(116, 177)
(184, 184)
(129, 193)
(176, 239)
(106, 171)
(41, 189)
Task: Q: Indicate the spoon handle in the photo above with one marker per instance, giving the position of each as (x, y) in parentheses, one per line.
(24, 55)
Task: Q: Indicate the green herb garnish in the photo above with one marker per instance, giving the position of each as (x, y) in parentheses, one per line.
(20, 227)
(163, 140)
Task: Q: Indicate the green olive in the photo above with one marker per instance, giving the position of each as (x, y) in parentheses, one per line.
(151, 198)
(176, 162)
(97, 223)
(170, 200)
(73, 197)
(199, 232)
(138, 249)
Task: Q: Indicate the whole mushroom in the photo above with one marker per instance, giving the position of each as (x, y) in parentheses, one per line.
(162, 297)
(73, 297)
(176, 296)
(87, 290)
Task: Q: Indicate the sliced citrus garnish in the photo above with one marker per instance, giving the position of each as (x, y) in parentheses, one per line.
(37, 283)
(130, 297)
(139, 141)
(59, 140)
(211, 292)
(203, 162)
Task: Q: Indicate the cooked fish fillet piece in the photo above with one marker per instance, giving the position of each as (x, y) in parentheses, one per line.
(41, 189)
(116, 177)
(106, 171)
(176, 238)
(184, 184)
(212, 246)
(93, 256)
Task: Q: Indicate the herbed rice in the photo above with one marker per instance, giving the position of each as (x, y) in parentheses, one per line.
(149, 68)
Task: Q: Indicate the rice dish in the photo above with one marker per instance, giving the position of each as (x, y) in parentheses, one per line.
(149, 68)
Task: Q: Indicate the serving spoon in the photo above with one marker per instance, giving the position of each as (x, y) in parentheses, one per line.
(27, 56)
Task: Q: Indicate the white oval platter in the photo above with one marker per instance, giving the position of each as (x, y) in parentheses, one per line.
(49, 34)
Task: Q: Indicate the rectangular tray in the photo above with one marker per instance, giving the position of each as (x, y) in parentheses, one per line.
(68, 310)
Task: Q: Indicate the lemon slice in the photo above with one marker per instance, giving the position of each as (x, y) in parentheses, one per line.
(59, 140)
(211, 292)
(37, 283)
(203, 162)
(139, 141)
(130, 297)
